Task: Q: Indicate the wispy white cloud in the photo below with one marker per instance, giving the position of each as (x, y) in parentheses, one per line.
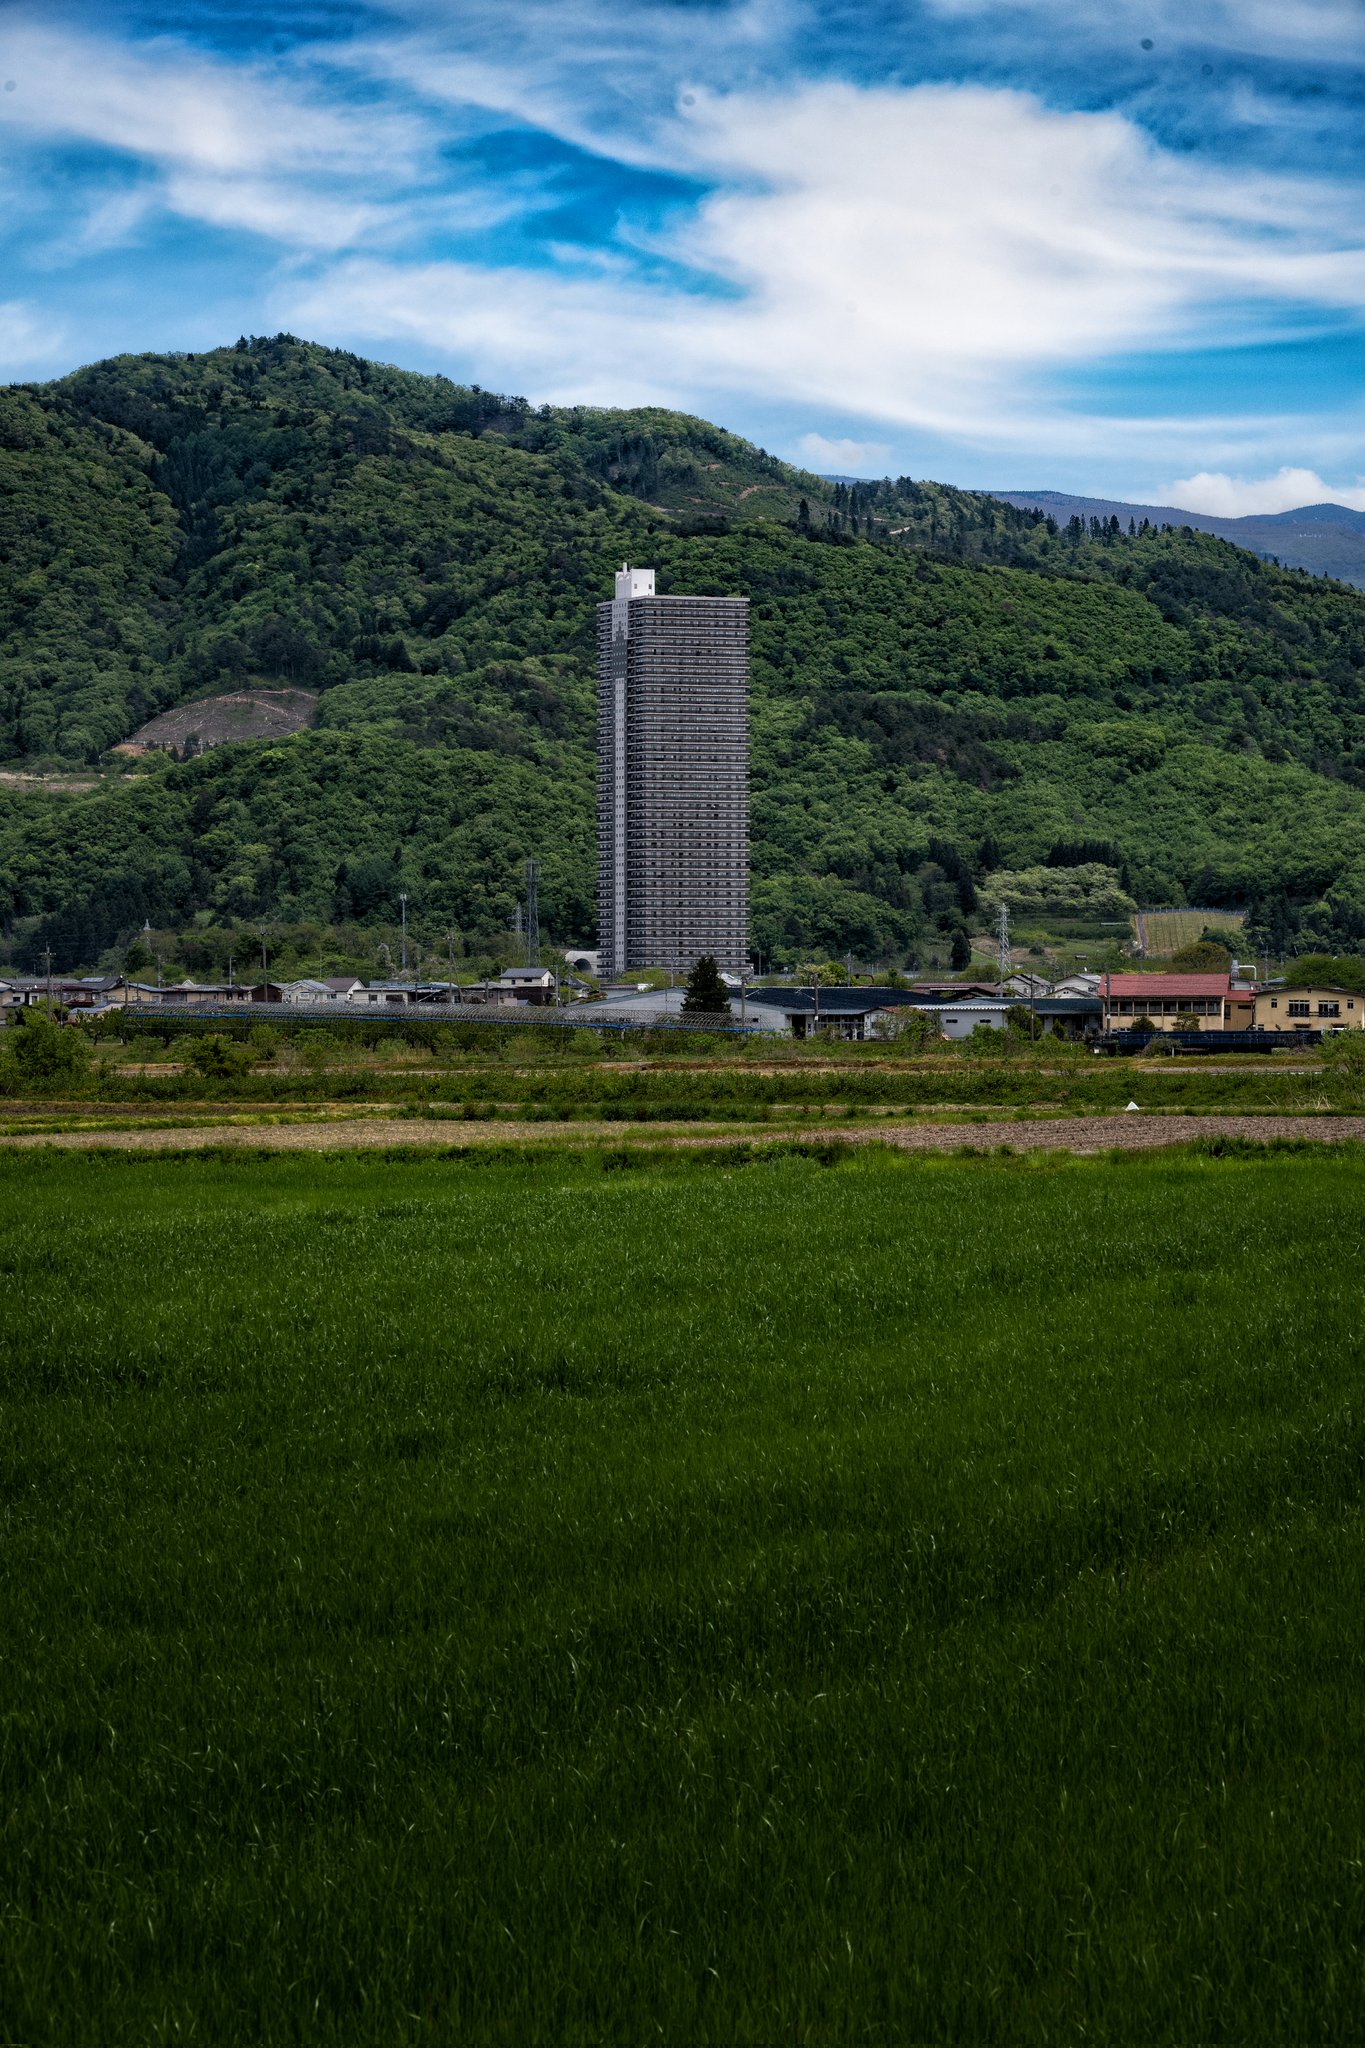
(592, 72)
(938, 259)
(1237, 497)
(283, 212)
(109, 221)
(29, 339)
(163, 101)
(250, 145)
(1327, 30)
(842, 457)
(956, 243)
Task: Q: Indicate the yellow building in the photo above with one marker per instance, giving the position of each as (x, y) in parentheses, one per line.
(1239, 1009)
(1169, 1002)
(1308, 1009)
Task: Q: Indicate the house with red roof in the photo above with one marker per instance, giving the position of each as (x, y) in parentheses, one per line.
(1172, 1002)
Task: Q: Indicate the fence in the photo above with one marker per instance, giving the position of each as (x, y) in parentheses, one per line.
(525, 1017)
(1208, 1041)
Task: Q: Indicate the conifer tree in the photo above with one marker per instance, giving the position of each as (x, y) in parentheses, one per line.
(706, 995)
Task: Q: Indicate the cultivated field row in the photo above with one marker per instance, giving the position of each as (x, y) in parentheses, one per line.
(1077, 1133)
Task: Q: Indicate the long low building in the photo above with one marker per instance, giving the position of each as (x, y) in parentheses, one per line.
(1213, 1002)
(853, 1012)
(1170, 1002)
(203, 995)
(83, 992)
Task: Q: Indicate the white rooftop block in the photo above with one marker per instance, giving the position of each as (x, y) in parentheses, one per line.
(633, 583)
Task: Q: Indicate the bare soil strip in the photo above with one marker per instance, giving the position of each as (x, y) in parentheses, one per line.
(1125, 1132)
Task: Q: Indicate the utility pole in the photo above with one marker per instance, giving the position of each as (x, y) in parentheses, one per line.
(1003, 945)
(260, 933)
(848, 968)
(403, 913)
(532, 915)
(48, 951)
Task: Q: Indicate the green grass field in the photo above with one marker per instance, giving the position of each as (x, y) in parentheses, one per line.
(503, 1600)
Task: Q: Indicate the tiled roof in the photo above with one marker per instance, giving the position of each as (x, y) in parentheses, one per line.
(834, 1002)
(1166, 987)
(878, 996)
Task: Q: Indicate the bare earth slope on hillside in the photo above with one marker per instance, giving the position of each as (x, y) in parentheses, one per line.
(241, 715)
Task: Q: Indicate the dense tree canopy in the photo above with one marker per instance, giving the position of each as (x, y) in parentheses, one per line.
(944, 688)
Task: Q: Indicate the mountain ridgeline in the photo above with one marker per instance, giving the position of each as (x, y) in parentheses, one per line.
(1328, 539)
(943, 685)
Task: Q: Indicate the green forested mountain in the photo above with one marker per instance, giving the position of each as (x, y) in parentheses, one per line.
(942, 684)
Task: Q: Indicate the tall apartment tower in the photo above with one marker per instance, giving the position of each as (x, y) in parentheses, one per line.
(673, 787)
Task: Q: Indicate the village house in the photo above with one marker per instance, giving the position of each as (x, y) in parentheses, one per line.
(529, 984)
(1171, 1002)
(1308, 1009)
(307, 992)
(86, 992)
(390, 994)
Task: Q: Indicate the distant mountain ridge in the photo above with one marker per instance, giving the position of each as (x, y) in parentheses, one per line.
(1326, 539)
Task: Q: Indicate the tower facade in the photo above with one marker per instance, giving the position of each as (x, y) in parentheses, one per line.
(673, 777)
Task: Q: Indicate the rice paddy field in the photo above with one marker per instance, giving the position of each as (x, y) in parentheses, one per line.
(814, 1594)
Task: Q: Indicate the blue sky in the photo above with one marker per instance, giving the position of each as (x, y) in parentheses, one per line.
(1097, 245)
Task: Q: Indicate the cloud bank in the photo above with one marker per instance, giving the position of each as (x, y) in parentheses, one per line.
(1238, 497)
(844, 457)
